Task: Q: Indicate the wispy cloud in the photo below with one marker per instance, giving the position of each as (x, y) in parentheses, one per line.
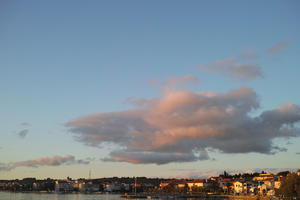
(234, 68)
(173, 83)
(25, 124)
(181, 125)
(279, 46)
(248, 54)
(243, 66)
(23, 133)
(44, 161)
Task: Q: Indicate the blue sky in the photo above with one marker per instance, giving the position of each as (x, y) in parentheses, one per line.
(63, 60)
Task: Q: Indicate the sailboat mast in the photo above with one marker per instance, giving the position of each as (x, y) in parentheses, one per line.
(135, 185)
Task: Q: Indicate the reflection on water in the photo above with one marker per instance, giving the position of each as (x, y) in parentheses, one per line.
(42, 196)
(37, 196)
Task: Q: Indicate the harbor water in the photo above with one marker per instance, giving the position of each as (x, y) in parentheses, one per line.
(47, 196)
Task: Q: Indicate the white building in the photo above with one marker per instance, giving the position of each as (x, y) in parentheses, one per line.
(63, 186)
(112, 187)
(238, 187)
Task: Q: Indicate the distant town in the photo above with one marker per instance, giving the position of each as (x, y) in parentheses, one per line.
(263, 184)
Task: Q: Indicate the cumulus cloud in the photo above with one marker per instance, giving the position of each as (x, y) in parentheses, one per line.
(44, 161)
(23, 133)
(278, 47)
(233, 68)
(182, 125)
(153, 157)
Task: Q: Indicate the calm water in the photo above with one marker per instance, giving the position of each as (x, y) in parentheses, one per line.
(37, 196)
(34, 196)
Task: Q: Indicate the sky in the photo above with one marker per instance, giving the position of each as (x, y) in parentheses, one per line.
(148, 88)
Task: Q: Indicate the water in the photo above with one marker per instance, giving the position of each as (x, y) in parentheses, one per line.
(45, 196)
(41, 196)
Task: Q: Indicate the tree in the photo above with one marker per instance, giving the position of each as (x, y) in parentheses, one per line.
(283, 173)
(290, 186)
(170, 188)
(213, 187)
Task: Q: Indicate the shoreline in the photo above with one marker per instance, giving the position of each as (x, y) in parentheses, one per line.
(253, 197)
(158, 195)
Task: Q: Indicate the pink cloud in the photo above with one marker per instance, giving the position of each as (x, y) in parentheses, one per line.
(233, 68)
(174, 83)
(278, 47)
(179, 126)
(44, 161)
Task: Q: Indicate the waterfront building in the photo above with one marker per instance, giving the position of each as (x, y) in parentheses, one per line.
(62, 186)
(112, 187)
(263, 177)
(238, 187)
(196, 183)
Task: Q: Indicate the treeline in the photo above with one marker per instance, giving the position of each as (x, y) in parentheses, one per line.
(290, 186)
